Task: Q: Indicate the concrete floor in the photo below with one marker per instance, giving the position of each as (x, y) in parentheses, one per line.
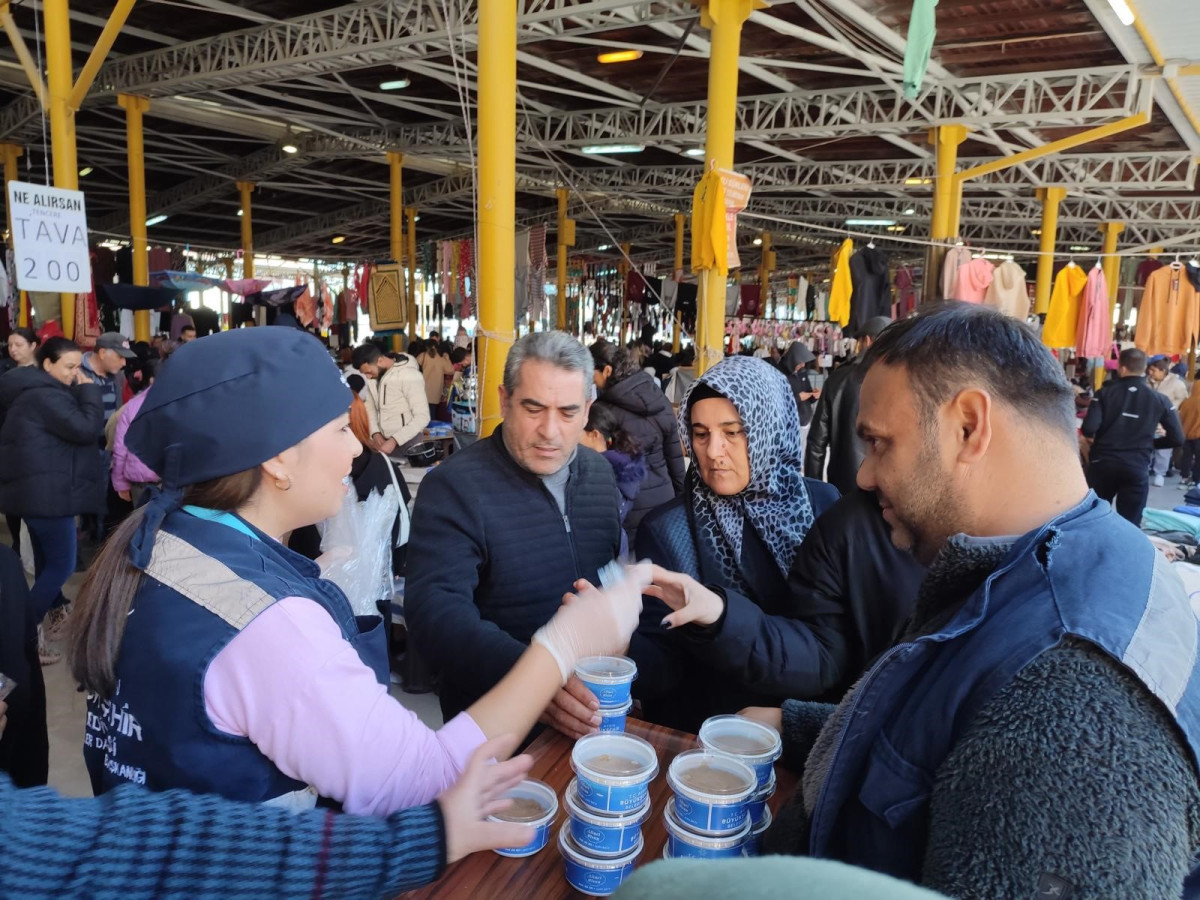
(66, 708)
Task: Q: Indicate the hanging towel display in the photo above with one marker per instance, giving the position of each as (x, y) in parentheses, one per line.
(870, 293)
(842, 288)
(1169, 317)
(521, 277)
(1009, 291)
(537, 271)
(386, 301)
(132, 296)
(956, 256)
(1094, 335)
(922, 29)
(710, 241)
(973, 280)
(1062, 320)
(306, 307)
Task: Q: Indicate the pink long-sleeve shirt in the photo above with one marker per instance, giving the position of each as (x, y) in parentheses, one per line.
(127, 469)
(295, 687)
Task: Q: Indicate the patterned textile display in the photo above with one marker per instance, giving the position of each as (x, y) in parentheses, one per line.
(386, 302)
(537, 271)
(521, 292)
(776, 500)
(306, 308)
(87, 320)
(466, 270)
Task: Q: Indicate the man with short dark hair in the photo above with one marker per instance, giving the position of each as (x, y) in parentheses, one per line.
(832, 426)
(395, 401)
(1123, 424)
(187, 333)
(504, 528)
(1035, 731)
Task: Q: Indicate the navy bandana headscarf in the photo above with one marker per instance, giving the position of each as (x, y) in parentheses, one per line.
(776, 500)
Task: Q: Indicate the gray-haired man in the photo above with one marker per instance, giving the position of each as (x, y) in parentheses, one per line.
(504, 529)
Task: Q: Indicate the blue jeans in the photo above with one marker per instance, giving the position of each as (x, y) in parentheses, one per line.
(53, 562)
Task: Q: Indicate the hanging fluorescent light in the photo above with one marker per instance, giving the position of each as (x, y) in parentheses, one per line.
(289, 147)
(758, 242)
(918, 181)
(1124, 13)
(609, 149)
(1036, 232)
(604, 247)
(1079, 248)
(339, 239)
(618, 56)
(396, 84)
(694, 151)
(910, 211)
(85, 171)
(155, 220)
(880, 222)
(241, 212)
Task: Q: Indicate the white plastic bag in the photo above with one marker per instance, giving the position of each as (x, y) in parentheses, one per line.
(356, 549)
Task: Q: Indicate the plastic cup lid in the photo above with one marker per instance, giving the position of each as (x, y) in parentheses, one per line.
(606, 669)
(691, 759)
(696, 837)
(739, 726)
(576, 854)
(590, 746)
(577, 810)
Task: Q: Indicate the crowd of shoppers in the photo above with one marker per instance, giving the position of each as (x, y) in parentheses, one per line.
(939, 616)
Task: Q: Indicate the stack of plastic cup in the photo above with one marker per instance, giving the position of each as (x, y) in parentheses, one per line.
(607, 802)
(534, 804)
(709, 816)
(757, 745)
(610, 678)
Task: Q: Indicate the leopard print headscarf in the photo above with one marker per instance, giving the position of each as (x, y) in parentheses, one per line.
(776, 500)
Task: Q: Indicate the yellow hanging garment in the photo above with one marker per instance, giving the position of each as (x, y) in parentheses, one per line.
(839, 292)
(1062, 319)
(710, 245)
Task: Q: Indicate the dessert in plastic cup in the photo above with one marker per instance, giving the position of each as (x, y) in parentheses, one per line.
(610, 678)
(535, 804)
(712, 791)
(614, 771)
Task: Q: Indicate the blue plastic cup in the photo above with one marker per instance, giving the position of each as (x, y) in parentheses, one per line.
(603, 835)
(610, 678)
(686, 843)
(756, 744)
(754, 841)
(757, 807)
(612, 718)
(543, 795)
(708, 809)
(614, 771)
(592, 875)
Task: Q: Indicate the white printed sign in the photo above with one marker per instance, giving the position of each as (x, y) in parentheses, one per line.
(50, 246)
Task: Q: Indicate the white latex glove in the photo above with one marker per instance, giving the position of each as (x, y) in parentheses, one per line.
(596, 622)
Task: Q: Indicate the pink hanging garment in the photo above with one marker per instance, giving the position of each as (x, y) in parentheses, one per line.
(956, 257)
(466, 269)
(906, 293)
(973, 279)
(362, 284)
(1094, 335)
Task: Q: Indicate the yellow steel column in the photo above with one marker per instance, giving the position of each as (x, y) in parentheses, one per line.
(724, 18)
(564, 239)
(410, 214)
(246, 188)
(677, 338)
(1051, 197)
(1112, 262)
(134, 108)
(497, 105)
(764, 271)
(12, 152)
(60, 84)
(947, 201)
(396, 219)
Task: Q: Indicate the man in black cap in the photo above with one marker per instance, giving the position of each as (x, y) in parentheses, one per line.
(834, 420)
(106, 366)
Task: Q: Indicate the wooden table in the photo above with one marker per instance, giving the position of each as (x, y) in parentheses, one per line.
(540, 877)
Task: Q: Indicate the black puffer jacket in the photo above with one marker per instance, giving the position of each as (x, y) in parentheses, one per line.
(644, 412)
(833, 425)
(50, 463)
(872, 293)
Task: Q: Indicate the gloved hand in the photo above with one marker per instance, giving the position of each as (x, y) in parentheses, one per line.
(596, 622)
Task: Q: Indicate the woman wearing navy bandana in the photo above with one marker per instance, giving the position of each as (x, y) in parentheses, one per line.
(217, 660)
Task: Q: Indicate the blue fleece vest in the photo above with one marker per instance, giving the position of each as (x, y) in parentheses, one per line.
(205, 582)
(1088, 574)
